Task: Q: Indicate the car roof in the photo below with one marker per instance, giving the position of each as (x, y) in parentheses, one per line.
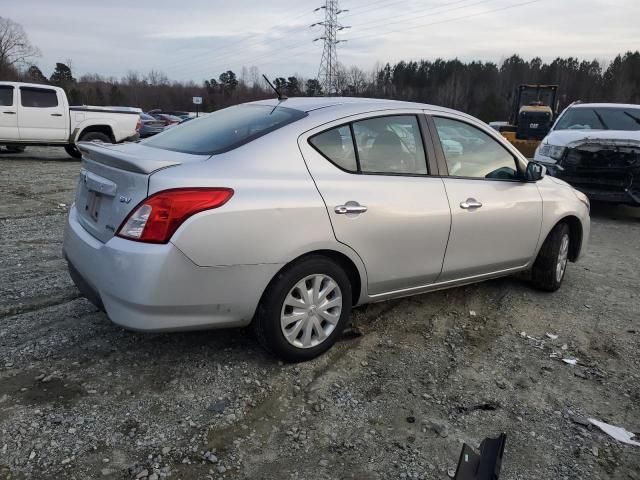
(605, 105)
(33, 85)
(310, 104)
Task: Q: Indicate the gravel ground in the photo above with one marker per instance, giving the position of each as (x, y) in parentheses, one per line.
(395, 398)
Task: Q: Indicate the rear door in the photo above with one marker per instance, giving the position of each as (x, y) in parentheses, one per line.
(495, 216)
(43, 115)
(374, 177)
(8, 113)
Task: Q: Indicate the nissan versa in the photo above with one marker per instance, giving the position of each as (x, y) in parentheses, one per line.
(285, 214)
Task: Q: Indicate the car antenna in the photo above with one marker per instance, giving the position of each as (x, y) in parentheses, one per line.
(281, 97)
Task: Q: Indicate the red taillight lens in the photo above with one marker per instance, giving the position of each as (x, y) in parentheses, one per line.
(157, 218)
(139, 124)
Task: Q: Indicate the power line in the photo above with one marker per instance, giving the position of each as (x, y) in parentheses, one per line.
(291, 47)
(280, 48)
(508, 7)
(429, 13)
(230, 52)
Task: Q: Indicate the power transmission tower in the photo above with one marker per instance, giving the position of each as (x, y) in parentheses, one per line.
(327, 73)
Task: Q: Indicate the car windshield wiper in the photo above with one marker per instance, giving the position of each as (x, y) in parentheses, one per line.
(633, 117)
(601, 120)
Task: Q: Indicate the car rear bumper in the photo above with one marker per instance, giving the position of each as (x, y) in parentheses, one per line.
(157, 288)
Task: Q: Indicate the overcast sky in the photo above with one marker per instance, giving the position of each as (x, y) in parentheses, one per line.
(198, 39)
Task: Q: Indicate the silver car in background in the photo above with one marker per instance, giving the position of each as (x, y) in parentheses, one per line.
(286, 214)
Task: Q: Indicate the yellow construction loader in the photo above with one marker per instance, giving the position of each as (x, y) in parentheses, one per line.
(533, 114)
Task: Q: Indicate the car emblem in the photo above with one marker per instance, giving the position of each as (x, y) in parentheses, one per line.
(124, 199)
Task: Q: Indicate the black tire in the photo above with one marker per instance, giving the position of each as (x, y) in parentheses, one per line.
(95, 137)
(544, 274)
(15, 148)
(267, 324)
(73, 151)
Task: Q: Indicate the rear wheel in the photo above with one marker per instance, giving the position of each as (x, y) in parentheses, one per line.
(551, 264)
(304, 310)
(97, 137)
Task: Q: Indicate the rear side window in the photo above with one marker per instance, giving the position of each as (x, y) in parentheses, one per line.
(225, 129)
(337, 145)
(383, 145)
(390, 145)
(38, 97)
(6, 96)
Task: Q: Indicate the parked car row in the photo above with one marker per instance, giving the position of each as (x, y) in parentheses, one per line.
(155, 121)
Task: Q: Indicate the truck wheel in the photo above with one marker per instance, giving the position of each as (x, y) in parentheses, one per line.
(304, 309)
(550, 266)
(15, 148)
(73, 151)
(97, 137)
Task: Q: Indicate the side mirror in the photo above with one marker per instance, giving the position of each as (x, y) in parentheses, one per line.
(535, 171)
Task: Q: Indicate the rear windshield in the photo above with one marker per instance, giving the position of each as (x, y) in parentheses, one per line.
(608, 118)
(225, 129)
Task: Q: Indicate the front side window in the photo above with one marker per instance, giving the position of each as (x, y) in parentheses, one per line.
(390, 145)
(470, 152)
(337, 145)
(6, 96)
(601, 118)
(38, 97)
(225, 129)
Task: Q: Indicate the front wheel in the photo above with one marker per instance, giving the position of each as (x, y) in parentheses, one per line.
(304, 309)
(551, 264)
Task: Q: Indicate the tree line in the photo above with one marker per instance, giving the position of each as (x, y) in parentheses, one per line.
(483, 89)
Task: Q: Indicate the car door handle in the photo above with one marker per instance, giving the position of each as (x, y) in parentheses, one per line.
(350, 207)
(10, 113)
(470, 203)
(56, 114)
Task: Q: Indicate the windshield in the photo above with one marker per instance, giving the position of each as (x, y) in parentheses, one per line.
(600, 118)
(225, 129)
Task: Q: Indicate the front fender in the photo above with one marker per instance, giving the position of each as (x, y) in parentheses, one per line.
(560, 202)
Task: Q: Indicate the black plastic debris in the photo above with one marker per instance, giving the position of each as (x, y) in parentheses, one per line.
(485, 465)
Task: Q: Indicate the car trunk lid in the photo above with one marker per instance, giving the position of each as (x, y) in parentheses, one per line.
(114, 179)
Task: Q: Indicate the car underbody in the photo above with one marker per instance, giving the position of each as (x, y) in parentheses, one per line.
(607, 171)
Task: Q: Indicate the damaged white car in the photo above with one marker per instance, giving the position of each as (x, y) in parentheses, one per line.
(596, 148)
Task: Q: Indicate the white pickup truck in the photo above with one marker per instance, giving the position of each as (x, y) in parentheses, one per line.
(33, 114)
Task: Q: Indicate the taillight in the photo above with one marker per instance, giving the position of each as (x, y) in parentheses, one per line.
(138, 125)
(157, 218)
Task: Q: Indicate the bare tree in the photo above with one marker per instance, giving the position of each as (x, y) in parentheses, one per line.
(15, 47)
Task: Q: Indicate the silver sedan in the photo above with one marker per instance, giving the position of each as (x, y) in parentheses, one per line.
(286, 214)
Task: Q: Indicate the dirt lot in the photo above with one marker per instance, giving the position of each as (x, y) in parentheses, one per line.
(81, 398)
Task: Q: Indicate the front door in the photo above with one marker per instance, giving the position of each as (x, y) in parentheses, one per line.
(495, 217)
(43, 115)
(8, 113)
(373, 176)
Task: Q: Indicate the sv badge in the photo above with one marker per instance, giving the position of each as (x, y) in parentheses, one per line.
(124, 199)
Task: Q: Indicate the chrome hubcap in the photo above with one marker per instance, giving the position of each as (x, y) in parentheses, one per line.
(311, 311)
(561, 266)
